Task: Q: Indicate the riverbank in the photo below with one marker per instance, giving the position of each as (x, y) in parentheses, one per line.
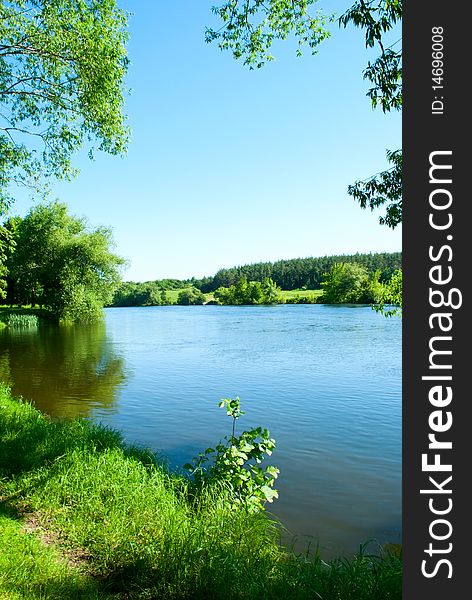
(102, 519)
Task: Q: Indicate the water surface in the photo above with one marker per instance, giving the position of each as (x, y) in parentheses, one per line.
(326, 381)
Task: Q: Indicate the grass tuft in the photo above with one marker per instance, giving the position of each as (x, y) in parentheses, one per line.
(21, 321)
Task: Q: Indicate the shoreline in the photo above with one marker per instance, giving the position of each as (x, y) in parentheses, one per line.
(93, 495)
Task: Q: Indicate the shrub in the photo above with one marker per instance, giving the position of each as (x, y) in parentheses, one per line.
(234, 464)
(190, 296)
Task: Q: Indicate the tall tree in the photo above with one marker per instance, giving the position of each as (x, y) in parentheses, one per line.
(62, 67)
(249, 28)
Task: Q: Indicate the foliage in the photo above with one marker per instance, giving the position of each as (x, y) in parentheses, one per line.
(376, 18)
(190, 296)
(6, 247)
(304, 274)
(249, 292)
(350, 283)
(249, 27)
(62, 265)
(235, 465)
(383, 188)
(62, 68)
(299, 273)
(391, 295)
(149, 293)
(137, 294)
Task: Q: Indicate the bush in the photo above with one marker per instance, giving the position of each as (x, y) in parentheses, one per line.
(190, 296)
(250, 292)
(233, 466)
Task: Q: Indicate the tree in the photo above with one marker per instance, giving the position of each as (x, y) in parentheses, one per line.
(62, 67)
(345, 283)
(62, 265)
(190, 296)
(249, 28)
(249, 292)
(270, 292)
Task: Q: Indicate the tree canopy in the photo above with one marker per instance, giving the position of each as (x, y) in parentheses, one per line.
(62, 67)
(250, 27)
(61, 264)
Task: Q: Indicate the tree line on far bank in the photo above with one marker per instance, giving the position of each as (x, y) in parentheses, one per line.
(344, 283)
(299, 273)
(58, 262)
(246, 284)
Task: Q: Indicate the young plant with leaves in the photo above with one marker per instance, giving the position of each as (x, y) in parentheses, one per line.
(235, 465)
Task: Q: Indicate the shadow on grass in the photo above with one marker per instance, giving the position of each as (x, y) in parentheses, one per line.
(30, 441)
(34, 570)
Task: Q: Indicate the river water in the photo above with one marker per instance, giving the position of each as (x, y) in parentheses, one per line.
(326, 381)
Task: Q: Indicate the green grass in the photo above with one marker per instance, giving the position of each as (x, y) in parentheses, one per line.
(143, 535)
(296, 294)
(32, 569)
(22, 321)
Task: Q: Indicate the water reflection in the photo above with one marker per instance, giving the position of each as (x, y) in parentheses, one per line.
(67, 371)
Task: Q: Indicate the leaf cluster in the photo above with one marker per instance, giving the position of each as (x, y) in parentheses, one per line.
(390, 302)
(62, 69)
(384, 188)
(250, 27)
(376, 18)
(190, 296)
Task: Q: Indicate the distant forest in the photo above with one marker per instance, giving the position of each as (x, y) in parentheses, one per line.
(299, 273)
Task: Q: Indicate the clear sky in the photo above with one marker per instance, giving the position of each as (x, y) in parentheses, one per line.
(229, 166)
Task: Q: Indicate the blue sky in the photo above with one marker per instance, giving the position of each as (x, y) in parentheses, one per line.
(228, 166)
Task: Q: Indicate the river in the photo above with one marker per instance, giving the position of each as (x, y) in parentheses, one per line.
(326, 381)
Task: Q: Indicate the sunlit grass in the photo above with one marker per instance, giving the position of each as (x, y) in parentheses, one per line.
(301, 294)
